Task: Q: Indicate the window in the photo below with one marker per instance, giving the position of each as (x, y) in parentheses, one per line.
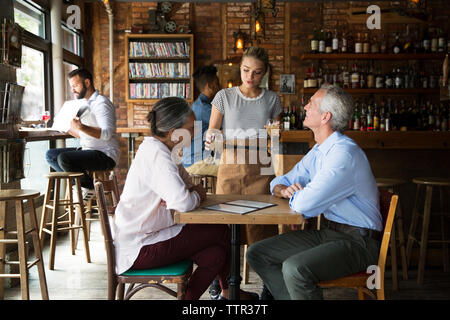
(68, 67)
(31, 76)
(30, 17)
(72, 40)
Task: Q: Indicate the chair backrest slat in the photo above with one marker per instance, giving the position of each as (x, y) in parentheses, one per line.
(106, 227)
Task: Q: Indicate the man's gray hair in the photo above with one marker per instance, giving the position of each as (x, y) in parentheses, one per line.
(339, 104)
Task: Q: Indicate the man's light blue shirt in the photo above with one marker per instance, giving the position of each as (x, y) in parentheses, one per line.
(202, 110)
(337, 181)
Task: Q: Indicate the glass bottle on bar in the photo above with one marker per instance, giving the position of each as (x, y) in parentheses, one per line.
(335, 42)
(322, 42)
(408, 46)
(362, 77)
(306, 80)
(358, 43)
(388, 122)
(312, 78)
(369, 118)
(350, 43)
(397, 46)
(293, 119)
(320, 79)
(371, 78)
(376, 118)
(383, 44)
(356, 123)
(425, 41)
(315, 42)
(366, 43)
(434, 42)
(389, 81)
(286, 119)
(345, 77)
(355, 77)
(379, 79)
(382, 118)
(363, 117)
(398, 80)
(375, 46)
(329, 43)
(344, 43)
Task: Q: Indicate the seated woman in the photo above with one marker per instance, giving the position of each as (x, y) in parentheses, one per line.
(145, 235)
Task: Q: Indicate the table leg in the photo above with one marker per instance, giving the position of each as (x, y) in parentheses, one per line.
(235, 279)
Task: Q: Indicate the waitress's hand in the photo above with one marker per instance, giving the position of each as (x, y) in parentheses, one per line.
(200, 190)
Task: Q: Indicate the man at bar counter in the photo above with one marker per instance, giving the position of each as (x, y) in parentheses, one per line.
(333, 178)
(96, 129)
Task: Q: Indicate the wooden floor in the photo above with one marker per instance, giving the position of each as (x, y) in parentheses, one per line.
(75, 279)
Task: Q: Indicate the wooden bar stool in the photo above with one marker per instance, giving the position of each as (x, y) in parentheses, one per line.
(19, 195)
(397, 233)
(429, 184)
(54, 184)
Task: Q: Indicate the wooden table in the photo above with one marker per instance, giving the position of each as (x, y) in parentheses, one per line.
(279, 214)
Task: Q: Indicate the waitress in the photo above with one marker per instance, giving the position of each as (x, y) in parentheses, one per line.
(241, 111)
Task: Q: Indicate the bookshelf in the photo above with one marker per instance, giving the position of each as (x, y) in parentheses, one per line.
(159, 66)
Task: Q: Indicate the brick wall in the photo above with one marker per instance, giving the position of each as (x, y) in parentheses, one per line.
(207, 24)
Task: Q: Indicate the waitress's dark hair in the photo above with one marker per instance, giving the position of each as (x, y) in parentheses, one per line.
(168, 113)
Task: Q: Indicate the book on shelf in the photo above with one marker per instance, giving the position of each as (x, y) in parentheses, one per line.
(159, 90)
(159, 49)
(159, 70)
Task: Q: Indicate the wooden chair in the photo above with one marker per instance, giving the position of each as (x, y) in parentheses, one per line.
(397, 234)
(388, 205)
(177, 273)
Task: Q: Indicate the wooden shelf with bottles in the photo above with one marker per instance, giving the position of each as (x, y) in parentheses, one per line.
(380, 139)
(373, 56)
(176, 49)
(381, 91)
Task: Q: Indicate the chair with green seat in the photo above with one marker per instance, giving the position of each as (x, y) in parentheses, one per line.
(177, 273)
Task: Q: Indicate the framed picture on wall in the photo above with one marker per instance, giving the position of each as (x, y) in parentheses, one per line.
(287, 84)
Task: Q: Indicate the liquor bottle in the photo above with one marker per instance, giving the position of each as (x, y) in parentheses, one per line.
(434, 42)
(407, 46)
(312, 79)
(382, 118)
(398, 79)
(444, 118)
(306, 80)
(425, 41)
(326, 75)
(358, 43)
(350, 43)
(376, 118)
(344, 43)
(366, 43)
(335, 42)
(441, 41)
(355, 77)
(315, 42)
(286, 119)
(293, 119)
(369, 121)
(363, 117)
(416, 42)
(383, 45)
(389, 81)
(328, 43)
(345, 77)
(320, 79)
(356, 123)
(379, 80)
(336, 77)
(371, 78)
(322, 42)
(431, 119)
(362, 77)
(397, 47)
(375, 46)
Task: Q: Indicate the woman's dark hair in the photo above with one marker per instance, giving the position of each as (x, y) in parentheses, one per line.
(168, 113)
(204, 75)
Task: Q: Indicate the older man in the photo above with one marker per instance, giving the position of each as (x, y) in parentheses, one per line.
(333, 178)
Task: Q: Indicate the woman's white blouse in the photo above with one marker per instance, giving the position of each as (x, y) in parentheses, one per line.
(140, 218)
